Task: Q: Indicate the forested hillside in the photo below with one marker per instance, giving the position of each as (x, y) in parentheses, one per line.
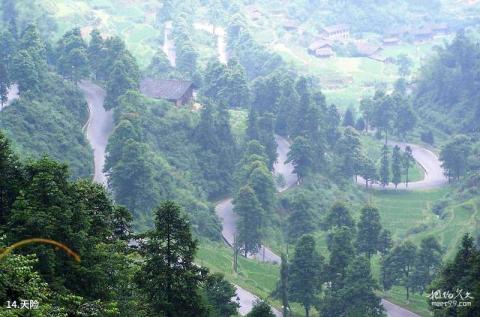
(50, 113)
(222, 158)
(447, 91)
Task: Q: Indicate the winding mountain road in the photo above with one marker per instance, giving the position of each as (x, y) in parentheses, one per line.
(168, 44)
(220, 33)
(429, 161)
(99, 127)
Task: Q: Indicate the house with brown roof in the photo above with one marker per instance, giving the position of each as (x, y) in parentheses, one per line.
(319, 44)
(390, 41)
(338, 32)
(421, 35)
(397, 32)
(372, 51)
(326, 52)
(439, 28)
(367, 49)
(179, 92)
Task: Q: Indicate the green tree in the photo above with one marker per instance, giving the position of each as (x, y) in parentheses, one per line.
(405, 118)
(219, 294)
(132, 178)
(96, 53)
(32, 42)
(236, 90)
(342, 252)
(24, 72)
(7, 50)
(217, 149)
(396, 166)
(405, 64)
(168, 277)
(261, 181)
(301, 156)
(160, 66)
(454, 156)
(359, 295)
(369, 230)
(267, 138)
(461, 273)
(281, 290)
(305, 273)
(384, 167)
(384, 246)
(123, 77)
(186, 59)
(349, 153)
(73, 56)
(348, 119)
(368, 170)
(383, 112)
(261, 309)
(301, 219)
(11, 180)
(367, 109)
(288, 102)
(407, 161)
(428, 263)
(399, 265)
(250, 220)
(338, 216)
(360, 124)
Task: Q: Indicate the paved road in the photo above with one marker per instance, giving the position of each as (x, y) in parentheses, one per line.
(429, 161)
(99, 126)
(224, 209)
(396, 311)
(168, 44)
(246, 299)
(220, 33)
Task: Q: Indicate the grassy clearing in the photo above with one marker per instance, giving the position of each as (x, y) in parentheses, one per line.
(408, 216)
(258, 278)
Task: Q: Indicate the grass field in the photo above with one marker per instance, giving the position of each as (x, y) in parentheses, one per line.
(253, 276)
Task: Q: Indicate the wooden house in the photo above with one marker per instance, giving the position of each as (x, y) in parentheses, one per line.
(179, 92)
(319, 44)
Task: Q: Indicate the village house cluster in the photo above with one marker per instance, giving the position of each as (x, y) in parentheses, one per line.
(323, 46)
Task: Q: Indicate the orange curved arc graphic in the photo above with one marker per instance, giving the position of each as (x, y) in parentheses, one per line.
(4, 252)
